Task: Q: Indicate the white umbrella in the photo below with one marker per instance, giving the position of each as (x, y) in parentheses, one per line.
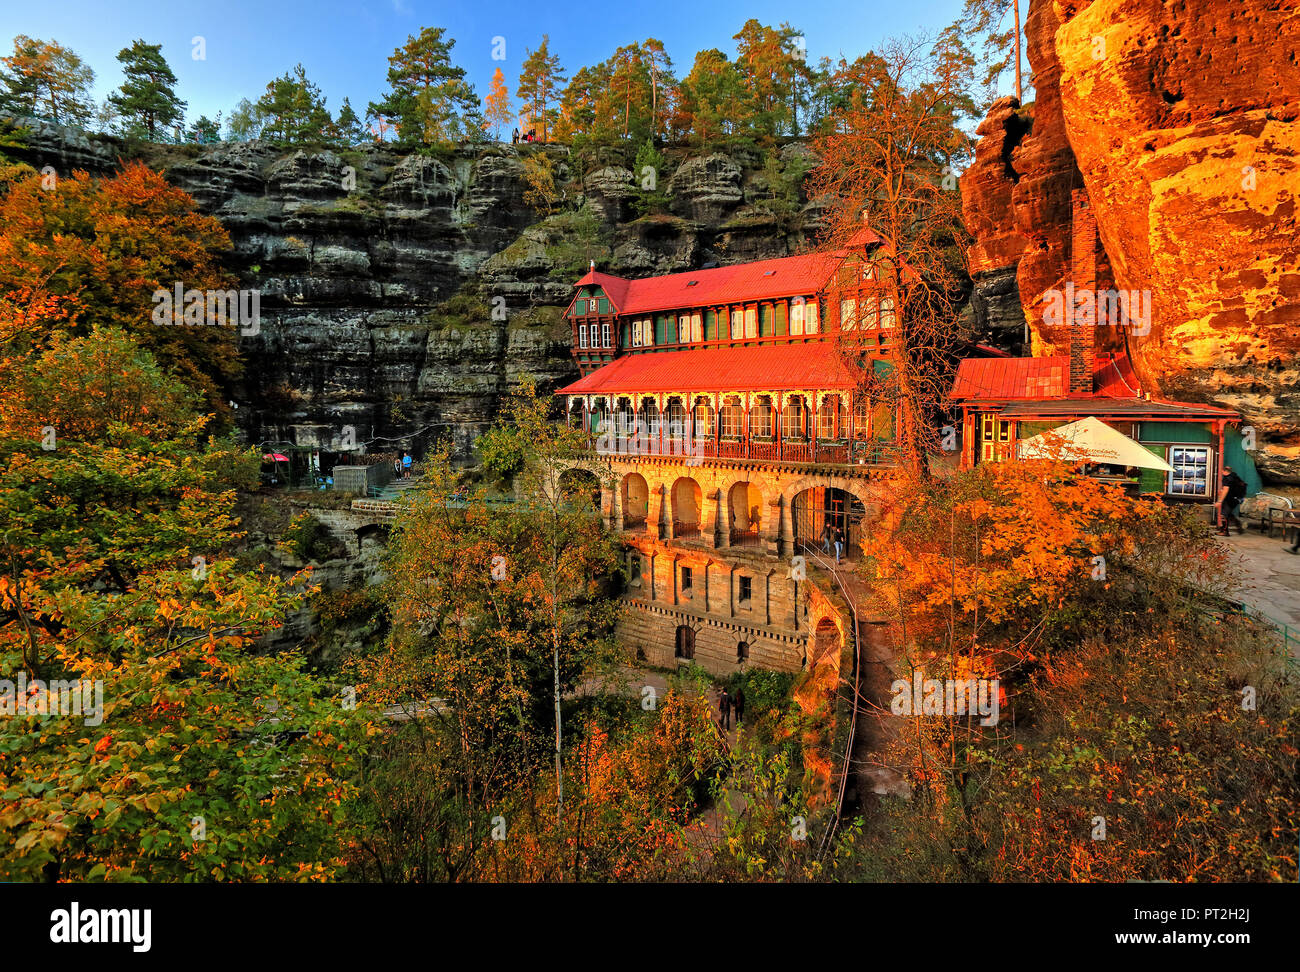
(1090, 440)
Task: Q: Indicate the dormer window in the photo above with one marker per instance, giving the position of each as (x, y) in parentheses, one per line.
(769, 273)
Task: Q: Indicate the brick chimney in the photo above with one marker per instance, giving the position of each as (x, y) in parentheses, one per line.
(1082, 300)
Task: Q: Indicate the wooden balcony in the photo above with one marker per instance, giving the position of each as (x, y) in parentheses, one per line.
(831, 452)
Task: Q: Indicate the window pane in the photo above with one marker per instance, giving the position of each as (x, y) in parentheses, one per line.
(751, 322)
(796, 317)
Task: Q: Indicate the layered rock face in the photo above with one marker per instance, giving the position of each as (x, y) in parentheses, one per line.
(1185, 121)
(404, 295)
(1182, 120)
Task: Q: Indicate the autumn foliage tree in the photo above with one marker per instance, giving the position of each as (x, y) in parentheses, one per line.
(46, 79)
(84, 251)
(208, 760)
(540, 81)
(1121, 663)
(888, 153)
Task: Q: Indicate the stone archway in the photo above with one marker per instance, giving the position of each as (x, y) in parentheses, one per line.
(686, 506)
(635, 496)
(745, 514)
(816, 508)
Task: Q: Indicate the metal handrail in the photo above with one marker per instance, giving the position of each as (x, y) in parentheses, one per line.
(857, 690)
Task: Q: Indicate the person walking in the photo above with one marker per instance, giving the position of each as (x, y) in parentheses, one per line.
(1232, 490)
(738, 703)
(514, 137)
(839, 544)
(724, 710)
(827, 534)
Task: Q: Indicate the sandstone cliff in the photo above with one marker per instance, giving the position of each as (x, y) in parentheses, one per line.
(378, 270)
(1182, 120)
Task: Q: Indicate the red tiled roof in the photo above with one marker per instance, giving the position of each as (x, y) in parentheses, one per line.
(1034, 386)
(790, 276)
(615, 287)
(760, 280)
(1002, 379)
(762, 368)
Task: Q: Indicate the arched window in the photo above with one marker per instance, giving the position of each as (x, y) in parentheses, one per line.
(624, 419)
(794, 418)
(742, 652)
(861, 417)
(826, 417)
(648, 416)
(731, 417)
(762, 417)
(703, 419)
(676, 415)
(685, 643)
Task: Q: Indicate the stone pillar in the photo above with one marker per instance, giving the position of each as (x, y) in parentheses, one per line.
(665, 513)
(721, 521)
(616, 507)
(787, 528)
(607, 506)
(772, 530)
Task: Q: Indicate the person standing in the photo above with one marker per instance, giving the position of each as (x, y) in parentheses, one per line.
(724, 710)
(738, 703)
(839, 544)
(397, 467)
(1232, 490)
(827, 534)
(406, 465)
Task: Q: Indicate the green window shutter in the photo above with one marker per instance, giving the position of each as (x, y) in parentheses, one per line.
(765, 320)
(710, 325)
(782, 319)
(604, 305)
(1152, 480)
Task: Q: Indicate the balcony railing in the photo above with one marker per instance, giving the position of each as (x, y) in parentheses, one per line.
(838, 452)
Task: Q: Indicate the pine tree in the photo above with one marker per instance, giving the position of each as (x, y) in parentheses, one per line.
(46, 79)
(713, 101)
(293, 110)
(206, 130)
(496, 106)
(147, 99)
(429, 100)
(540, 82)
(348, 125)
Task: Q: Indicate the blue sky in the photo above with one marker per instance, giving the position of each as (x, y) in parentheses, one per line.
(345, 44)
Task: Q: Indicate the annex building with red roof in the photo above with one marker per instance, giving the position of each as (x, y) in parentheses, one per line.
(1005, 401)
